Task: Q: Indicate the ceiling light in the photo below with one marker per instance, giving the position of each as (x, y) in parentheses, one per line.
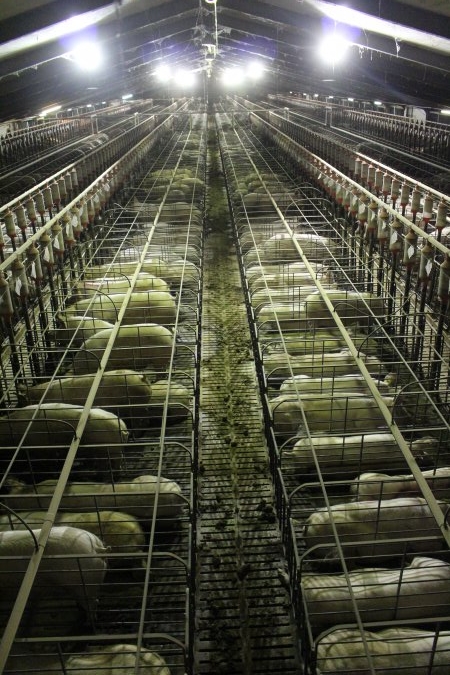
(184, 78)
(377, 103)
(47, 111)
(445, 112)
(87, 56)
(163, 73)
(57, 31)
(333, 48)
(232, 77)
(255, 70)
(365, 21)
(126, 97)
(350, 99)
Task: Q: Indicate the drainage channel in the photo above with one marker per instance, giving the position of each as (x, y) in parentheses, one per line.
(243, 611)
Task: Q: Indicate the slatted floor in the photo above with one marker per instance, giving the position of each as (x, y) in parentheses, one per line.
(243, 622)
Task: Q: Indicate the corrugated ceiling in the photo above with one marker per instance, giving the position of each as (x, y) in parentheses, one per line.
(404, 59)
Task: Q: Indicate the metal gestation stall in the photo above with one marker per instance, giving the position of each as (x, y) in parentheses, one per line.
(320, 429)
(403, 132)
(350, 298)
(64, 165)
(99, 312)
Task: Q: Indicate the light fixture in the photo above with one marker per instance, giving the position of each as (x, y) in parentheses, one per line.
(125, 97)
(378, 103)
(61, 30)
(47, 111)
(184, 78)
(233, 77)
(87, 56)
(350, 99)
(163, 73)
(365, 21)
(333, 48)
(255, 70)
(445, 112)
(209, 47)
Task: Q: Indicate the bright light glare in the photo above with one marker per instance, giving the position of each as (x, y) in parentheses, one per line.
(126, 96)
(53, 108)
(445, 112)
(163, 73)
(232, 77)
(184, 78)
(255, 70)
(366, 21)
(56, 31)
(377, 103)
(333, 48)
(87, 56)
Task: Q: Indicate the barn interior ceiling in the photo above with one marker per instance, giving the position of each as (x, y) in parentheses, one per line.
(399, 49)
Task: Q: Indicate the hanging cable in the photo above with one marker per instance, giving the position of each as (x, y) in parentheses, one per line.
(216, 32)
